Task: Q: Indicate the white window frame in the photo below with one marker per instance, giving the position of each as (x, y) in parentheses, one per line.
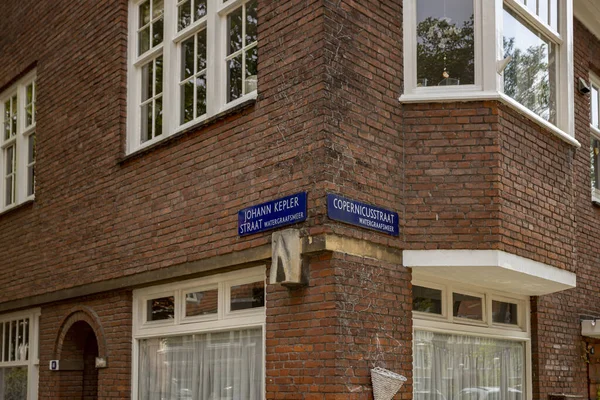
(448, 324)
(20, 141)
(489, 52)
(33, 363)
(595, 130)
(181, 325)
(215, 23)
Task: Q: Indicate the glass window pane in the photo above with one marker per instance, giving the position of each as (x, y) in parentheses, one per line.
(594, 111)
(28, 115)
(13, 103)
(157, 8)
(251, 70)
(543, 11)
(532, 5)
(465, 306)
(250, 295)
(187, 101)
(530, 77)
(6, 340)
(445, 43)
(9, 190)
(554, 14)
(224, 365)
(234, 78)
(157, 32)
(146, 131)
(13, 383)
(200, 95)
(467, 367)
(144, 40)
(234, 29)
(144, 13)
(201, 303)
(427, 300)
(251, 22)
(30, 180)
(147, 76)
(185, 15)
(158, 76)
(504, 313)
(201, 50)
(29, 93)
(200, 9)
(187, 58)
(161, 308)
(158, 117)
(13, 341)
(10, 151)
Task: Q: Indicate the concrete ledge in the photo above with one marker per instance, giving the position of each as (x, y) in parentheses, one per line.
(493, 269)
(355, 247)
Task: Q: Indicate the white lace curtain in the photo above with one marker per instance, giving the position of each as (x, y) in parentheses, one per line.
(457, 367)
(212, 366)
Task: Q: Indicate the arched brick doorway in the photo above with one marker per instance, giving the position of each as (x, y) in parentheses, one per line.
(79, 343)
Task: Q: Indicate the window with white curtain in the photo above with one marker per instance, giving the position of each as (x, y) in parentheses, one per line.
(473, 345)
(201, 339)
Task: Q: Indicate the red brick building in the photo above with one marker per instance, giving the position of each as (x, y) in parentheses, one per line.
(138, 137)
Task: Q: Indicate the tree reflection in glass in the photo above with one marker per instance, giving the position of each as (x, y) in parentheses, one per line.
(445, 43)
(529, 77)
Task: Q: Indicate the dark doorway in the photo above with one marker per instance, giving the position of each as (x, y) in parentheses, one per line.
(78, 373)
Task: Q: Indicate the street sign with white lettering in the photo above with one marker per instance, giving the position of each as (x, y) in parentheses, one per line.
(364, 215)
(272, 214)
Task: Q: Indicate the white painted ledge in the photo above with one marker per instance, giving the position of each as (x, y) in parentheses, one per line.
(492, 269)
(590, 328)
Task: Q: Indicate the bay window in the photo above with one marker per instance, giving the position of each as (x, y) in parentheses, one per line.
(189, 60)
(201, 339)
(17, 142)
(469, 343)
(516, 51)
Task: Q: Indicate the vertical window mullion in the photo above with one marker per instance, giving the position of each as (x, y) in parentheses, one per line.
(194, 72)
(244, 49)
(214, 43)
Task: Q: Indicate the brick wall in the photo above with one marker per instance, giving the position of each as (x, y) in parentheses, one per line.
(558, 347)
(322, 340)
(113, 333)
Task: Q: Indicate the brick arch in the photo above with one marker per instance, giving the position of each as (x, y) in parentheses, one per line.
(78, 314)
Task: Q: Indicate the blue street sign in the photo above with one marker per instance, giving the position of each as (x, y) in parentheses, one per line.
(364, 215)
(272, 214)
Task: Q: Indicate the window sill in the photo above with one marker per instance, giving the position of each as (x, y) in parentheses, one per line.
(447, 96)
(17, 207)
(230, 109)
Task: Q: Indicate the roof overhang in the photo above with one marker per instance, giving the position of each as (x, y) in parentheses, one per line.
(491, 269)
(588, 12)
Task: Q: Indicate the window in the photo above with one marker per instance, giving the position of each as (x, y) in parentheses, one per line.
(19, 358)
(476, 347)
(201, 339)
(17, 149)
(190, 60)
(520, 55)
(595, 139)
